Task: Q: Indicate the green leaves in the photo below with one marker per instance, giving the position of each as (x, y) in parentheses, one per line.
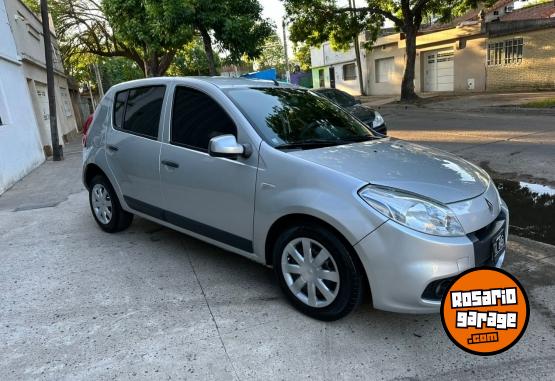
(153, 26)
(237, 26)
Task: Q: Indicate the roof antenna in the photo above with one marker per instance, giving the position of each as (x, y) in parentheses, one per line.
(275, 82)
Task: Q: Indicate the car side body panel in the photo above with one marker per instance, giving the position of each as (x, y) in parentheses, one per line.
(290, 185)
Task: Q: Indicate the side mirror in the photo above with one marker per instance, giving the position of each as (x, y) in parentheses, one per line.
(227, 146)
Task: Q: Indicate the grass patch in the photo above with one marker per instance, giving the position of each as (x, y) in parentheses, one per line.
(543, 103)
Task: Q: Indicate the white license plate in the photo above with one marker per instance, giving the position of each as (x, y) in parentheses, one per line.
(498, 245)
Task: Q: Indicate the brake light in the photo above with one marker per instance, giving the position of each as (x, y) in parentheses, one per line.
(86, 127)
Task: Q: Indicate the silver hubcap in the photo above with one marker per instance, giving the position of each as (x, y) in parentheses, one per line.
(310, 272)
(101, 204)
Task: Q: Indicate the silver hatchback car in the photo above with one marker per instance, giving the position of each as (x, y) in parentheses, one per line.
(287, 178)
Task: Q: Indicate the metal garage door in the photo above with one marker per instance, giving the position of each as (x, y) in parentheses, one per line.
(438, 70)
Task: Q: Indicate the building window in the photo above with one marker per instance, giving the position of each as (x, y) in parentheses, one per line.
(349, 72)
(505, 52)
(384, 69)
(321, 78)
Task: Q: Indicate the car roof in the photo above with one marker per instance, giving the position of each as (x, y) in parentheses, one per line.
(220, 82)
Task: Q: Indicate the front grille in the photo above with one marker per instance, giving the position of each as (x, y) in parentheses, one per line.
(482, 240)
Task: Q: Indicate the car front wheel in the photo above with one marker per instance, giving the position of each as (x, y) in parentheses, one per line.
(317, 273)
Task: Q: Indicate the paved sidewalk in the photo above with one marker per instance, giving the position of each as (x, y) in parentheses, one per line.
(471, 102)
(49, 184)
(150, 303)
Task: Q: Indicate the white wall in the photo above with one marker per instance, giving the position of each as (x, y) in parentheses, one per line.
(324, 57)
(27, 33)
(20, 148)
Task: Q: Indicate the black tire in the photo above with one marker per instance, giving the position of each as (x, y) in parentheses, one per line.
(120, 219)
(350, 284)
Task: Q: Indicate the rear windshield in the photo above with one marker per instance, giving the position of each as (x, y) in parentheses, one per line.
(288, 115)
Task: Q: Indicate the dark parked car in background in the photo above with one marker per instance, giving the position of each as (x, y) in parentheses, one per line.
(370, 117)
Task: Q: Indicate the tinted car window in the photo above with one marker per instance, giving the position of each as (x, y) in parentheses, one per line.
(286, 115)
(197, 118)
(142, 113)
(119, 108)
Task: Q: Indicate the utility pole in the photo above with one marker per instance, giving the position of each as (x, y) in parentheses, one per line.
(353, 6)
(57, 151)
(287, 74)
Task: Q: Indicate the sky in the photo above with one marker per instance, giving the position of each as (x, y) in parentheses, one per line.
(273, 9)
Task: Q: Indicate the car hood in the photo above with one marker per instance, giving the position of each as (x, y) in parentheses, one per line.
(362, 112)
(398, 164)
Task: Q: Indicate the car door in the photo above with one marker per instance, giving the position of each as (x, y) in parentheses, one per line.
(133, 148)
(210, 196)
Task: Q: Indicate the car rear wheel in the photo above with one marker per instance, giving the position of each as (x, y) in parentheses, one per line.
(316, 272)
(105, 206)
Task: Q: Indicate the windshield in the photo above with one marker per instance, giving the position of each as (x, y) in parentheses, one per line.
(287, 116)
(339, 97)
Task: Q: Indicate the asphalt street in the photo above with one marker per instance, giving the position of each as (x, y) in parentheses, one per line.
(151, 303)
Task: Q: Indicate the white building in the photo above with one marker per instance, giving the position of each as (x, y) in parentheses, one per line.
(25, 126)
(337, 69)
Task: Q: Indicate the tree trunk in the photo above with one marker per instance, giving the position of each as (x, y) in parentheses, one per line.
(407, 86)
(207, 41)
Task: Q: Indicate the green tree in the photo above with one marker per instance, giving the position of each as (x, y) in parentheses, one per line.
(236, 27)
(316, 21)
(152, 31)
(192, 60)
(272, 55)
(33, 5)
(302, 55)
(116, 70)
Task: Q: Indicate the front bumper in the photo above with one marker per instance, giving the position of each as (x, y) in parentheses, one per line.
(409, 270)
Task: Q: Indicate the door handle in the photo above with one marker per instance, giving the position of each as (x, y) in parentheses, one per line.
(170, 164)
(112, 148)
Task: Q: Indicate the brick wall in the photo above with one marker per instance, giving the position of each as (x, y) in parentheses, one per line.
(537, 69)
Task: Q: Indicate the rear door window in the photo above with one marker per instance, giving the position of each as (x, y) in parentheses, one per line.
(197, 118)
(141, 114)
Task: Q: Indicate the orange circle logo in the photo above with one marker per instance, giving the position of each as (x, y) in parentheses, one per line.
(485, 311)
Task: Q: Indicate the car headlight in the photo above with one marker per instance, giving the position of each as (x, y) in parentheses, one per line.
(412, 211)
(378, 119)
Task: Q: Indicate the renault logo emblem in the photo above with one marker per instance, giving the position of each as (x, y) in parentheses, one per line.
(490, 205)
